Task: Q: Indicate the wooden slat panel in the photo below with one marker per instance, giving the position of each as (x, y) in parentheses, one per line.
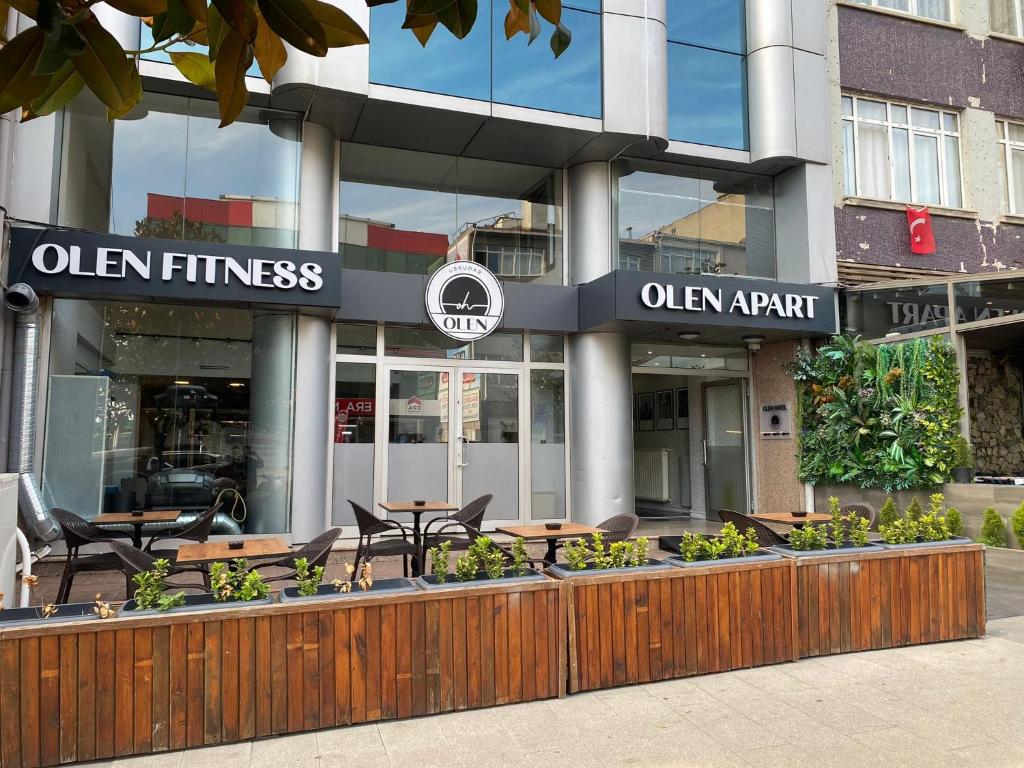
(263, 675)
(161, 712)
(229, 681)
(177, 683)
(10, 702)
(124, 674)
(419, 645)
(105, 704)
(194, 715)
(485, 645)
(48, 715)
(542, 627)
(701, 617)
(357, 664)
(653, 628)
(342, 668)
(213, 713)
(86, 690)
(388, 665)
(143, 691)
(295, 666)
(432, 619)
(501, 688)
(528, 643)
(629, 622)
(68, 683)
(667, 628)
(515, 651)
(459, 667)
(29, 666)
(248, 693)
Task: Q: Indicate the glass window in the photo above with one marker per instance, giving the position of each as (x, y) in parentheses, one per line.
(488, 67)
(1005, 17)
(146, 41)
(232, 185)
(700, 221)
(169, 407)
(404, 211)
(875, 314)
(986, 299)
(647, 354)
(930, 9)
(355, 414)
(356, 339)
(547, 449)
(888, 159)
(1010, 137)
(707, 96)
(428, 342)
(547, 349)
(418, 431)
(718, 24)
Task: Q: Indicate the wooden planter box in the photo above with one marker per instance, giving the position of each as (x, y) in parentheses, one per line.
(890, 598)
(636, 627)
(128, 686)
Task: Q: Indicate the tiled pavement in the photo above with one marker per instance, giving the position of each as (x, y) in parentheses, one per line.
(931, 706)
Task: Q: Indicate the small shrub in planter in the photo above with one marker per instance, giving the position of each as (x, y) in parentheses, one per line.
(993, 529)
(483, 563)
(1017, 524)
(229, 585)
(730, 545)
(99, 609)
(924, 530)
(913, 510)
(310, 586)
(841, 533)
(583, 557)
(150, 586)
(888, 514)
(954, 522)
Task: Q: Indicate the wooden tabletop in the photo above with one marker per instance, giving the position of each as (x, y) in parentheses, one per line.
(149, 516)
(208, 552)
(408, 506)
(788, 518)
(567, 531)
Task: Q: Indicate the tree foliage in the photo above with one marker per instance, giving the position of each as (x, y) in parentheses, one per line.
(67, 48)
(878, 417)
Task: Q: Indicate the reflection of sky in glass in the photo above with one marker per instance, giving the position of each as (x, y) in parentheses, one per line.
(530, 76)
(522, 75)
(707, 98)
(146, 40)
(648, 201)
(710, 23)
(196, 159)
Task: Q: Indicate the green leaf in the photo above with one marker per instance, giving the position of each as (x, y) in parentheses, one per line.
(233, 60)
(139, 7)
(551, 10)
(179, 17)
(196, 9)
(18, 83)
(216, 31)
(516, 21)
(429, 7)
(459, 17)
(340, 29)
(134, 94)
(196, 68)
(52, 58)
(163, 28)
(49, 17)
(294, 22)
(105, 67)
(423, 33)
(64, 85)
(269, 51)
(240, 16)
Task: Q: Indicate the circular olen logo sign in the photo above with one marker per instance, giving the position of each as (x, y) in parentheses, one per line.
(465, 300)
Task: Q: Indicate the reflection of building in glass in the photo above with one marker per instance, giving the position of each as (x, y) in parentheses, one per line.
(378, 246)
(512, 247)
(235, 219)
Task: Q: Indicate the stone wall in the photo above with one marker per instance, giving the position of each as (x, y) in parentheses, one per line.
(996, 415)
(777, 488)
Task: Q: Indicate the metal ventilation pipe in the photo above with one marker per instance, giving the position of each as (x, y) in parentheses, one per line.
(23, 301)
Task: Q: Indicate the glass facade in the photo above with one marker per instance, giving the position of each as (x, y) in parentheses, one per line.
(411, 212)
(170, 407)
(707, 93)
(486, 66)
(695, 220)
(198, 182)
(355, 414)
(877, 313)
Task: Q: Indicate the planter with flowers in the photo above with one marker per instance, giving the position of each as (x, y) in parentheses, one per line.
(310, 586)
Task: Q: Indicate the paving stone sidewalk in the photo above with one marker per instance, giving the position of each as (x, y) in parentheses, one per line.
(931, 706)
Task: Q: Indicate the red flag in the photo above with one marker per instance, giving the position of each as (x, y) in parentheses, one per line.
(922, 238)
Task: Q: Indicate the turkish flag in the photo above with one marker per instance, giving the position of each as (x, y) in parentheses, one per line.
(922, 238)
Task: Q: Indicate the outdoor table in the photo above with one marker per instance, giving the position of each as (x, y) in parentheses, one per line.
(417, 511)
(788, 518)
(219, 551)
(538, 532)
(137, 521)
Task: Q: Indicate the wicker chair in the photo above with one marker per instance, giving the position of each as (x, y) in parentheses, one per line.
(862, 510)
(619, 528)
(135, 561)
(316, 553)
(79, 533)
(469, 519)
(198, 530)
(766, 537)
(369, 526)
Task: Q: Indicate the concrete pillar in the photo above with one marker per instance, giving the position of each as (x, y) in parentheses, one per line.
(313, 354)
(600, 384)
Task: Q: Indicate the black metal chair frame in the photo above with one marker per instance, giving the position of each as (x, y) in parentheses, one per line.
(469, 519)
(138, 560)
(79, 532)
(198, 530)
(316, 552)
(369, 526)
(766, 537)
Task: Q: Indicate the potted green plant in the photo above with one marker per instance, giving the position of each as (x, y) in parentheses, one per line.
(729, 546)
(928, 529)
(963, 460)
(842, 534)
(309, 583)
(590, 555)
(483, 563)
(230, 585)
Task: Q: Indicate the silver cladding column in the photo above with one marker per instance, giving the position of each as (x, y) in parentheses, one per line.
(314, 358)
(601, 428)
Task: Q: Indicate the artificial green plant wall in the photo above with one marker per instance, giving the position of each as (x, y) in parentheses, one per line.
(878, 416)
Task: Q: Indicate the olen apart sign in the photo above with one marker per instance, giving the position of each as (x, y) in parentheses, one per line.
(699, 298)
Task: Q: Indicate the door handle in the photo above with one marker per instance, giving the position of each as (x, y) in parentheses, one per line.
(705, 445)
(465, 444)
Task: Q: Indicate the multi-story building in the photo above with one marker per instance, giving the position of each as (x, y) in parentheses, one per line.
(244, 308)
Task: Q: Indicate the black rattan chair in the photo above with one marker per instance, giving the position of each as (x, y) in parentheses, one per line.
(766, 537)
(135, 561)
(369, 526)
(862, 510)
(619, 528)
(468, 520)
(79, 533)
(198, 530)
(316, 553)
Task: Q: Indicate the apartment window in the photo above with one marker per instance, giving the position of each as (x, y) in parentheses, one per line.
(1005, 16)
(1011, 165)
(509, 261)
(929, 9)
(901, 152)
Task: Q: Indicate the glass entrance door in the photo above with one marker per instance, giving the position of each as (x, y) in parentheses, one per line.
(725, 454)
(489, 443)
(418, 457)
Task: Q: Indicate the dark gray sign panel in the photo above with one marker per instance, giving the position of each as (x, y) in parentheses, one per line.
(75, 263)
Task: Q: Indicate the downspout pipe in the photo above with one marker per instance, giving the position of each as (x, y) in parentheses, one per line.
(23, 301)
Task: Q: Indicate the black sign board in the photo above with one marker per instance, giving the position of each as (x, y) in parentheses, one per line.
(75, 263)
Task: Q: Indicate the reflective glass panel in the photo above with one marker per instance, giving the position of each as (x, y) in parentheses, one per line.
(427, 342)
(418, 432)
(355, 415)
(688, 356)
(356, 339)
(985, 299)
(709, 23)
(547, 349)
(875, 314)
(547, 436)
(489, 441)
(707, 97)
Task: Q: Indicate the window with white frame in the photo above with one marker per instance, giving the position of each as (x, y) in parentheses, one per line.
(901, 152)
(511, 261)
(1006, 16)
(929, 9)
(1011, 165)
